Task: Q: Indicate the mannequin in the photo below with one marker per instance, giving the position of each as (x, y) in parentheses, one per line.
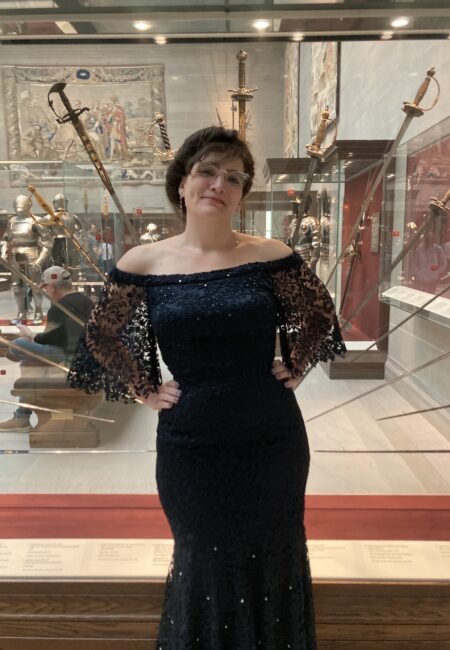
(64, 252)
(27, 246)
(309, 234)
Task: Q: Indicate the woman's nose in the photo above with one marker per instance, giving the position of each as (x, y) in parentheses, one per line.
(219, 182)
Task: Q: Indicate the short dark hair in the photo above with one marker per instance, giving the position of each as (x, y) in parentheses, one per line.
(212, 139)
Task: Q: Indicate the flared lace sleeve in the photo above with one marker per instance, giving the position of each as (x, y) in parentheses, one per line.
(308, 327)
(117, 351)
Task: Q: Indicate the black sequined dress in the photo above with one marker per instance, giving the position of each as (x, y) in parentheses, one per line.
(233, 456)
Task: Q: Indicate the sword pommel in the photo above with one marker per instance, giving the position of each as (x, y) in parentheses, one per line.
(57, 88)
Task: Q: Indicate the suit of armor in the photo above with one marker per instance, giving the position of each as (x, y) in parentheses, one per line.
(309, 239)
(64, 251)
(325, 239)
(27, 246)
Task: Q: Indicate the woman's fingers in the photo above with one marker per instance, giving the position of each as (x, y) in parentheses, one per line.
(168, 394)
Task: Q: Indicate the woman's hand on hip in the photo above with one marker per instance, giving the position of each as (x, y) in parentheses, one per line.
(168, 394)
(283, 374)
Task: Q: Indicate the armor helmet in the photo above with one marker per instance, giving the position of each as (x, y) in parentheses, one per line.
(60, 202)
(22, 204)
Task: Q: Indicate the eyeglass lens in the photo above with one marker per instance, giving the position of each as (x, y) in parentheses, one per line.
(209, 170)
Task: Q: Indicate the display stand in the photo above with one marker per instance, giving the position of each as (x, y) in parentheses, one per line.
(394, 540)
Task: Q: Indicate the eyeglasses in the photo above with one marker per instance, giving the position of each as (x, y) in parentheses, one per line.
(209, 170)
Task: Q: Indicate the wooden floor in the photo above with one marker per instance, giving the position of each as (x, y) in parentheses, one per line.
(125, 616)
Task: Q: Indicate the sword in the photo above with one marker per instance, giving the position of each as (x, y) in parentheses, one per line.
(73, 115)
(168, 153)
(412, 110)
(402, 415)
(55, 219)
(316, 154)
(242, 95)
(411, 315)
(438, 208)
(47, 410)
(408, 373)
(15, 270)
(33, 355)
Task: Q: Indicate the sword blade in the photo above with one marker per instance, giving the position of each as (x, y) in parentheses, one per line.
(48, 208)
(33, 355)
(403, 415)
(14, 269)
(408, 373)
(301, 209)
(371, 192)
(411, 315)
(58, 412)
(402, 254)
(92, 153)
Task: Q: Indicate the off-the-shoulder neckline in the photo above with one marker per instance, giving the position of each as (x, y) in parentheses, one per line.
(230, 270)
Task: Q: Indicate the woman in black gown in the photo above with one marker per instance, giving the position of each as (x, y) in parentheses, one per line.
(233, 456)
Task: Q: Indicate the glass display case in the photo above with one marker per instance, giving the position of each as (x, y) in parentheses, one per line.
(350, 266)
(83, 471)
(418, 277)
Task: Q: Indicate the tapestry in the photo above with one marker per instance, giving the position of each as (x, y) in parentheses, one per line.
(291, 73)
(122, 102)
(324, 81)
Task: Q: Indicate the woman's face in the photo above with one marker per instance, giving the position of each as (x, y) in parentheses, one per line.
(212, 189)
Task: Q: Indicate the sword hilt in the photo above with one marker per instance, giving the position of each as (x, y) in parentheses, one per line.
(412, 108)
(314, 149)
(161, 121)
(439, 205)
(241, 57)
(71, 112)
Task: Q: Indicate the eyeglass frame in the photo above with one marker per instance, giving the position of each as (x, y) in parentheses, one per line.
(242, 175)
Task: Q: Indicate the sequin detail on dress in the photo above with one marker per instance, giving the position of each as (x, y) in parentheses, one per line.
(232, 454)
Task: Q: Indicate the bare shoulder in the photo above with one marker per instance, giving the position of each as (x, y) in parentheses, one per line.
(267, 249)
(142, 259)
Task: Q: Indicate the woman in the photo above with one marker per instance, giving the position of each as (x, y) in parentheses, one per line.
(233, 456)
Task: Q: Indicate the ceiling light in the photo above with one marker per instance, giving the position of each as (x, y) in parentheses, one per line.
(142, 25)
(401, 21)
(385, 36)
(298, 36)
(261, 25)
(160, 40)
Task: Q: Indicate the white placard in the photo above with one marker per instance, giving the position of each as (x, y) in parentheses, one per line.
(150, 558)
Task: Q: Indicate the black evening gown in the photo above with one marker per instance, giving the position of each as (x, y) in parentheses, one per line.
(233, 457)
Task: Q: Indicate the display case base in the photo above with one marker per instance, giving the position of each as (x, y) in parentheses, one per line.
(369, 366)
(58, 430)
(113, 613)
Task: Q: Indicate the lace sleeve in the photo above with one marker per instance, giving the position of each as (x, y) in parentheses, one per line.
(308, 326)
(117, 351)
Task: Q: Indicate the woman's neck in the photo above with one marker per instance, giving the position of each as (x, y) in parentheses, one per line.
(209, 238)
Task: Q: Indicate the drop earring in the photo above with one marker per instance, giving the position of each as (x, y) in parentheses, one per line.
(180, 203)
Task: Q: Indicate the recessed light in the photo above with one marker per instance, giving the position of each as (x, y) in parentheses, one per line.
(261, 25)
(160, 40)
(142, 25)
(298, 36)
(385, 36)
(401, 21)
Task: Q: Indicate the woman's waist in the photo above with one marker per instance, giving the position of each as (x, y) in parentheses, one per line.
(221, 374)
(251, 403)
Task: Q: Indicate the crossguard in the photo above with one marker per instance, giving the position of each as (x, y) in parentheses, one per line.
(71, 112)
(413, 108)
